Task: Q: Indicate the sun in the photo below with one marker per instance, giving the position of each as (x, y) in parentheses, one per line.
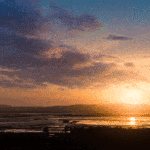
(132, 96)
(125, 94)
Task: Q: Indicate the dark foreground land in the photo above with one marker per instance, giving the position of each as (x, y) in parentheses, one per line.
(92, 138)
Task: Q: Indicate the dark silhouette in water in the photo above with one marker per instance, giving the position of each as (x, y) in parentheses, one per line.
(46, 130)
(65, 121)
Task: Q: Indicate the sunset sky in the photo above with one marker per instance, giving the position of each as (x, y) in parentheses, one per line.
(64, 52)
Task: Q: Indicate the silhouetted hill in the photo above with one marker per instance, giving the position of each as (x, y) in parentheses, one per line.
(96, 110)
(72, 110)
(3, 105)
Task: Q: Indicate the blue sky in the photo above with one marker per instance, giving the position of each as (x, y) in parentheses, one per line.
(66, 52)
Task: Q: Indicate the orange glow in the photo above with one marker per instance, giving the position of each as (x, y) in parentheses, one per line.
(132, 96)
(132, 120)
(49, 96)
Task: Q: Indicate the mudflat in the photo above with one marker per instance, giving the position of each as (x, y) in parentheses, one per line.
(92, 138)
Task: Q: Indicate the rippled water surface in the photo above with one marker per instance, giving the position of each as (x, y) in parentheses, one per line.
(124, 122)
(27, 122)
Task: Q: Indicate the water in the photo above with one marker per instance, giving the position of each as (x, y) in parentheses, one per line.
(123, 122)
(35, 122)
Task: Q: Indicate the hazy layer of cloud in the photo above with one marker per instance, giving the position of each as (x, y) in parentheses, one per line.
(104, 56)
(83, 22)
(64, 75)
(114, 37)
(129, 64)
(57, 74)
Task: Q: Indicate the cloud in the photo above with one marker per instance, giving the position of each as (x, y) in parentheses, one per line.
(114, 37)
(83, 22)
(55, 74)
(19, 23)
(22, 45)
(12, 84)
(101, 56)
(64, 74)
(26, 52)
(24, 60)
(18, 18)
(21, 52)
(35, 72)
(129, 64)
(69, 58)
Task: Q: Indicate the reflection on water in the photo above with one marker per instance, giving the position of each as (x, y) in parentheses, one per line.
(36, 122)
(132, 121)
(20, 131)
(124, 122)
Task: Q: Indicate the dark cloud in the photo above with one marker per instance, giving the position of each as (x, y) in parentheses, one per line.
(17, 50)
(18, 22)
(20, 52)
(129, 64)
(60, 75)
(21, 19)
(28, 56)
(83, 22)
(34, 72)
(93, 70)
(22, 45)
(11, 84)
(23, 60)
(104, 56)
(114, 37)
(70, 58)
(66, 75)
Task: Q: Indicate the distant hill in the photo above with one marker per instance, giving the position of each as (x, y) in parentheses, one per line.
(72, 110)
(91, 110)
(3, 105)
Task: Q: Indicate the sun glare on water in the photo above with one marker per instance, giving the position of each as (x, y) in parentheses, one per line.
(132, 120)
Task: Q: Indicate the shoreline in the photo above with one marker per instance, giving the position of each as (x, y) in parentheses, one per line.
(92, 138)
